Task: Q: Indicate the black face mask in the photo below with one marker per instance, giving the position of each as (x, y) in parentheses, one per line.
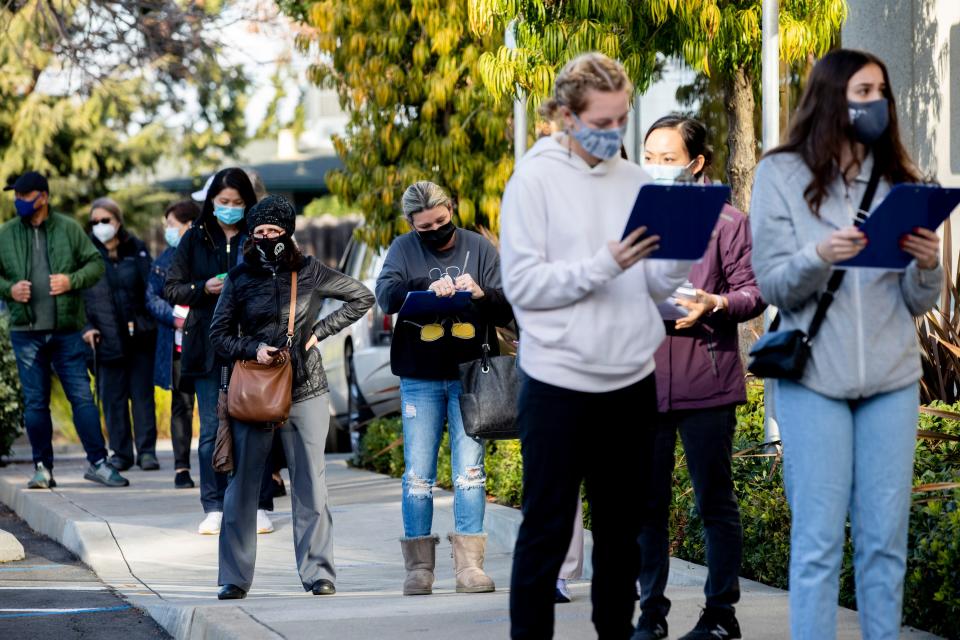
(272, 249)
(439, 237)
(869, 120)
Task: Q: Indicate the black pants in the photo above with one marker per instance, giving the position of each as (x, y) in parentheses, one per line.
(567, 437)
(181, 419)
(123, 385)
(707, 436)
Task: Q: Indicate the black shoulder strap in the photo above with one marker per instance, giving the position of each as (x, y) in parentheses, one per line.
(836, 278)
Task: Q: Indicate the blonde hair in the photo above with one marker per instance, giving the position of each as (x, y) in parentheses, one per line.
(587, 71)
(421, 196)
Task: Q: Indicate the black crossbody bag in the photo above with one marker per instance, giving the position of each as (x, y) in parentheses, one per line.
(784, 354)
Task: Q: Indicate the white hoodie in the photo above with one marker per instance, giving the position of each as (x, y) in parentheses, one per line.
(586, 324)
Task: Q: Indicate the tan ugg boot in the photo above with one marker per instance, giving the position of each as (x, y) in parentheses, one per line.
(468, 553)
(419, 558)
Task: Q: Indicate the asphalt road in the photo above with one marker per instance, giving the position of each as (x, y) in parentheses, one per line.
(51, 594)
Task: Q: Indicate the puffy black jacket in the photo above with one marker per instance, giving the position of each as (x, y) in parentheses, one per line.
(118, 298)
(203, 253)
(254, 308)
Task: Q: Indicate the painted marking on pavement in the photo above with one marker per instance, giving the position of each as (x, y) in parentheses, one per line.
(36, 567)
(33, 613)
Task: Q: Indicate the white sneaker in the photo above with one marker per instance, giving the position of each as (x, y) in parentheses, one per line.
(263, 522)
(211, 524)
(563, 593)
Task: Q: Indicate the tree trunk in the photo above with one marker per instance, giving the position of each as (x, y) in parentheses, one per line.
(741, 135)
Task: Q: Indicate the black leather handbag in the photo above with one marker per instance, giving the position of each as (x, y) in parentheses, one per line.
(784, 354)
(488, 399)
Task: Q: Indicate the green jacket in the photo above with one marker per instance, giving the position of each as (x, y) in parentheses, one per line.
(69, 251)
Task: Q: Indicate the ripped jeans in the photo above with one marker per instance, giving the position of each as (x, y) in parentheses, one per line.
(425, 405)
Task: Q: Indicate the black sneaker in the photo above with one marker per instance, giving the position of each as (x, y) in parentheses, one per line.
(149, 462)
(104, 473)
(650, 627)
(715, 624)
(183, 480)
(119, 463)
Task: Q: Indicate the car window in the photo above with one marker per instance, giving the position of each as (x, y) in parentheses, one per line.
(366, 270)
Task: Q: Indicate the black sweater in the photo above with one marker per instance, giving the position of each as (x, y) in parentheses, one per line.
(408, 268)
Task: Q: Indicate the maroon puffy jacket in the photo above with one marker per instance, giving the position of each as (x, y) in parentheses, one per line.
(700, 367)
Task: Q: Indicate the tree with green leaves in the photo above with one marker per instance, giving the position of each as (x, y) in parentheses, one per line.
(406, 71)
(720, 38)
(91, 91)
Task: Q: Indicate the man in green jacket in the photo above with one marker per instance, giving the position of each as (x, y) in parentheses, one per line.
(45, 260)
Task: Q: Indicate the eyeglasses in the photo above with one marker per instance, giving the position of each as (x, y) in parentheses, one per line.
(452, 272)
(269, 233)
(434, 331)
(101, 221)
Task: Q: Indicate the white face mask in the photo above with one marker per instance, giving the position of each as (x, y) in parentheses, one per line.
(104, 232)
(669, 173)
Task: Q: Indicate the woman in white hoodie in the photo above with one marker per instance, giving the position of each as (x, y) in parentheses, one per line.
(586, 303)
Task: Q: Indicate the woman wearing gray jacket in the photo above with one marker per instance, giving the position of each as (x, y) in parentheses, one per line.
(849, 425)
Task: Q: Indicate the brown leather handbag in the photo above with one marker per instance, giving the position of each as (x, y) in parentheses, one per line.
(264, 392)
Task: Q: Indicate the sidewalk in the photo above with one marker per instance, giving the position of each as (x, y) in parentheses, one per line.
(142, 541)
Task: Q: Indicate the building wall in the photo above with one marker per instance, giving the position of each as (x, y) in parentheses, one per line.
(919, 40)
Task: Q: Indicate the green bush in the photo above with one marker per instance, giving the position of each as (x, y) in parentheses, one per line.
(11, 403)
(932, 585)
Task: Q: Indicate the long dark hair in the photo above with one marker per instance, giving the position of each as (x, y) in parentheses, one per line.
(821, 126)
(231, 178)
(694, 135)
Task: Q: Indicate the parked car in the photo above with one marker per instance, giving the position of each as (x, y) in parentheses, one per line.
(357, 360)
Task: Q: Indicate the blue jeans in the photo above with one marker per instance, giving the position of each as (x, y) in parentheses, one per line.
(425, 406)
(840, 457)
(38, 354)
(213, 485)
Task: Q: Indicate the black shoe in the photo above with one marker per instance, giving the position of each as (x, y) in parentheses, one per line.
(231, 592)
(149, 462)
(651, 627)
(323, 587)
(714, 624)
(183, 480)
(119, 463)
(279, 489)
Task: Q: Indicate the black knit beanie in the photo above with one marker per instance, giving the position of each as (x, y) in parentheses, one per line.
(273, 210)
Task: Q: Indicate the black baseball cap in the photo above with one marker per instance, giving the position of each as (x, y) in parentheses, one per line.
(28, 182)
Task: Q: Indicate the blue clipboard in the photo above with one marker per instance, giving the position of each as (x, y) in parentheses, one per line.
(683, 215)
(419, 303)
(905, 208)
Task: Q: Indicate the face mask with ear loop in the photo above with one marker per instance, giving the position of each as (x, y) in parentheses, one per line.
(670, 173)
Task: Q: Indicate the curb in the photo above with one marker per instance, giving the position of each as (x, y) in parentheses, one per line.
(90, 538)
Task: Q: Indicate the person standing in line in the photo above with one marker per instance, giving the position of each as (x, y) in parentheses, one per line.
(586, 303)
(122, 336)
(700, 380)
(46, 260)
(849, 425)
(206, 252)
(250, 322)
(178, 218)
(426, 353)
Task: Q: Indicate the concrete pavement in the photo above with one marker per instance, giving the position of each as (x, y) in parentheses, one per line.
(142, 542)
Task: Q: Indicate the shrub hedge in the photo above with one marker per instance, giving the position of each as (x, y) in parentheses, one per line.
(11, 406)
(932, 584)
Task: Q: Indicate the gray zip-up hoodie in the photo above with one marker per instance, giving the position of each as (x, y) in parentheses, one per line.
(868, 342)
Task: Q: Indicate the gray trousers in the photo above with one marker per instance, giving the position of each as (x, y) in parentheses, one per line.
(304, 437)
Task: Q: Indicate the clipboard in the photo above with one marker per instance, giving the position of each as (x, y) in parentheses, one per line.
(418, 303)
(683, 215)
(905, 208)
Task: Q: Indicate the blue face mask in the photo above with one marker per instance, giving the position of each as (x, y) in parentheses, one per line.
(869, 120)
(172, 236)
(228, 215)
(600, 143)
(25, 207)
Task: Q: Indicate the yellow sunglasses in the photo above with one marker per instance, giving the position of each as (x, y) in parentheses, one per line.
(434, 331)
